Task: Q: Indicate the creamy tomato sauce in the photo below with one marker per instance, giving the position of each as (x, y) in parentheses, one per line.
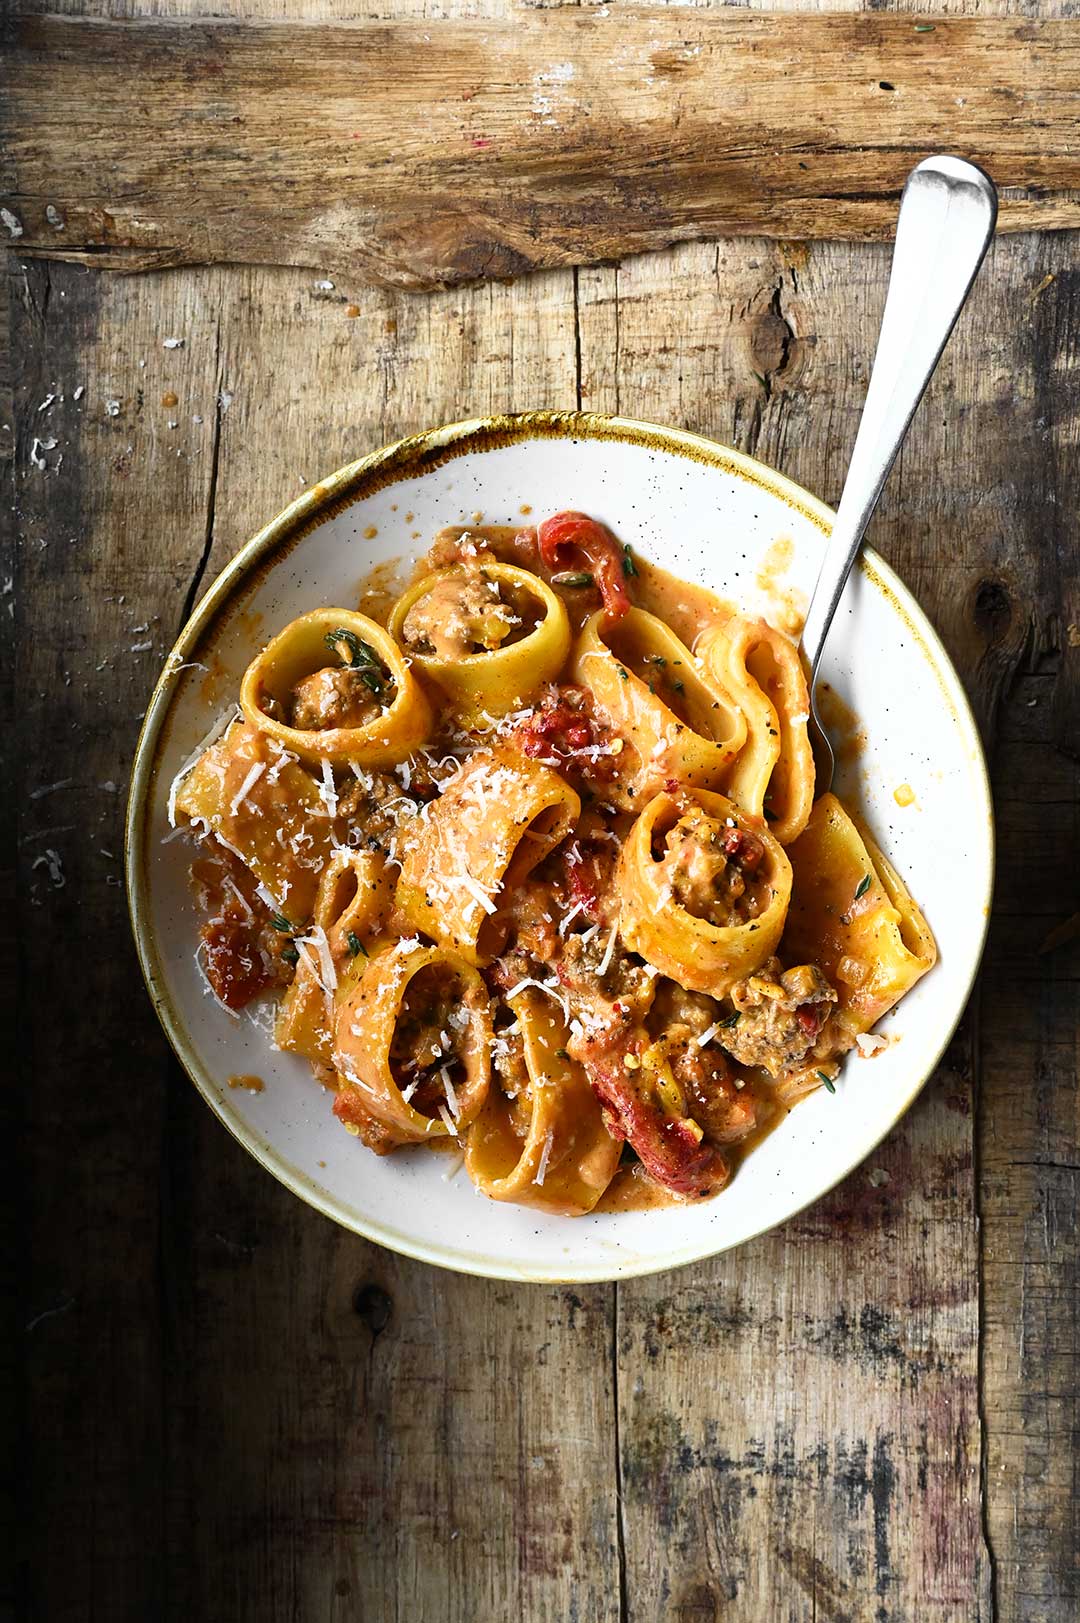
(532, 865)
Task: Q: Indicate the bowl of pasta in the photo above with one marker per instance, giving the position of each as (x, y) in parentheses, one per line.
(477, 868)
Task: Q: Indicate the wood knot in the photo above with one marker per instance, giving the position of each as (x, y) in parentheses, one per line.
(698, 1604)
(374, 1306)
(771, 342)
(992, 609)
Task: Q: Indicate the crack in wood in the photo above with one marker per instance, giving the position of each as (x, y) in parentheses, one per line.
(212, 484)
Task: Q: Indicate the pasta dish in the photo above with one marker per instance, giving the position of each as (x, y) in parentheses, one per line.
(533, 866)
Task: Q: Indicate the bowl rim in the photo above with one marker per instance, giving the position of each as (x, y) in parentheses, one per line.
(406, 458)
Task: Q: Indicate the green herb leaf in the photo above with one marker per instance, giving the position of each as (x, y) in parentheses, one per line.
(828, 1081)
(624, 673)
(629, 567)
(864, 886)
(290, 955)
(280, 922)
(363, 657)
(351, 641)
(680, 687)
(560, 1053)
(732, 1020)
(924, 28)
(356, 946)
(573, 577)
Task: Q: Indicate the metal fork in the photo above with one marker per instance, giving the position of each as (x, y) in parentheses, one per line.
(946, 221)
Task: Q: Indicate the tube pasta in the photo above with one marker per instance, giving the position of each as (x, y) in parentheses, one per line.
(262, 805)
(301, 650)
(351, 906)
(494, 821)
(773, 774)
(676, 718)
(565, 1158)
(851, 911)
(702, 956)
(364, 1035)
(611, 813)
(499, 679)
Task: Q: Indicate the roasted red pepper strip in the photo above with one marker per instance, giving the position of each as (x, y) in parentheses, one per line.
(576, 541)
(666, 1146)
(235, 967)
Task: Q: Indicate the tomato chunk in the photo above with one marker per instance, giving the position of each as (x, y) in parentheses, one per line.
(575, 541)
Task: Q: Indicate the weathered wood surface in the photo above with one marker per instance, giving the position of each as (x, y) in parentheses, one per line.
(441, 150)
(235, 1410)
(229, 1409)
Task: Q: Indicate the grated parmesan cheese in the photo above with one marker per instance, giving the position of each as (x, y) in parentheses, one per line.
(253, 776)
(609, 951)
(578, 907)
(448, 1121)
(318, 943)
(545, 1156)
(477, 891)
(327, 791)
(448, 1089)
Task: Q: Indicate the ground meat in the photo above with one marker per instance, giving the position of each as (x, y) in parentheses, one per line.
(508, 1063)
(462, 614)
(336, 696)
(713, 1097)
(711, 868)
(525, 921)
(603, 999)
(455, 546)
(588, 878)
(674, 1008)
(781, 1014)
(429, 1037)
(235, 965)
(508, 1058)
(373, 809)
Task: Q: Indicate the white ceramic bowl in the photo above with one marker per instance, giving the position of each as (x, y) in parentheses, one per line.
(710, 515)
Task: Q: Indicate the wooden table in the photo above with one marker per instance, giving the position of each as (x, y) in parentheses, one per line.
(226, 1408)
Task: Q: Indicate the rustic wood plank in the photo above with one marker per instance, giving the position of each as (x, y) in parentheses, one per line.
(840, 1354)
(843, 1353)
(266, 1305)
(1029, 1126)
(99, 574)
(556, 139)
(277, 1419)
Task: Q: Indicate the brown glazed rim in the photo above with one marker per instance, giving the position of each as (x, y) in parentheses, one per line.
(406, 459)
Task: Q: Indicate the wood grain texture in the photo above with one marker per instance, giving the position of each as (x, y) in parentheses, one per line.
(435, 151)
(233, 1408)
(841, 1432)
(291, 1423)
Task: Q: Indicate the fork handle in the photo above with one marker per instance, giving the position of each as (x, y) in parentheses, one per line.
(946, 221)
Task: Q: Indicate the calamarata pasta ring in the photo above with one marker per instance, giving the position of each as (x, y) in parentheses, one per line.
(374, 663)
(490, 680)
